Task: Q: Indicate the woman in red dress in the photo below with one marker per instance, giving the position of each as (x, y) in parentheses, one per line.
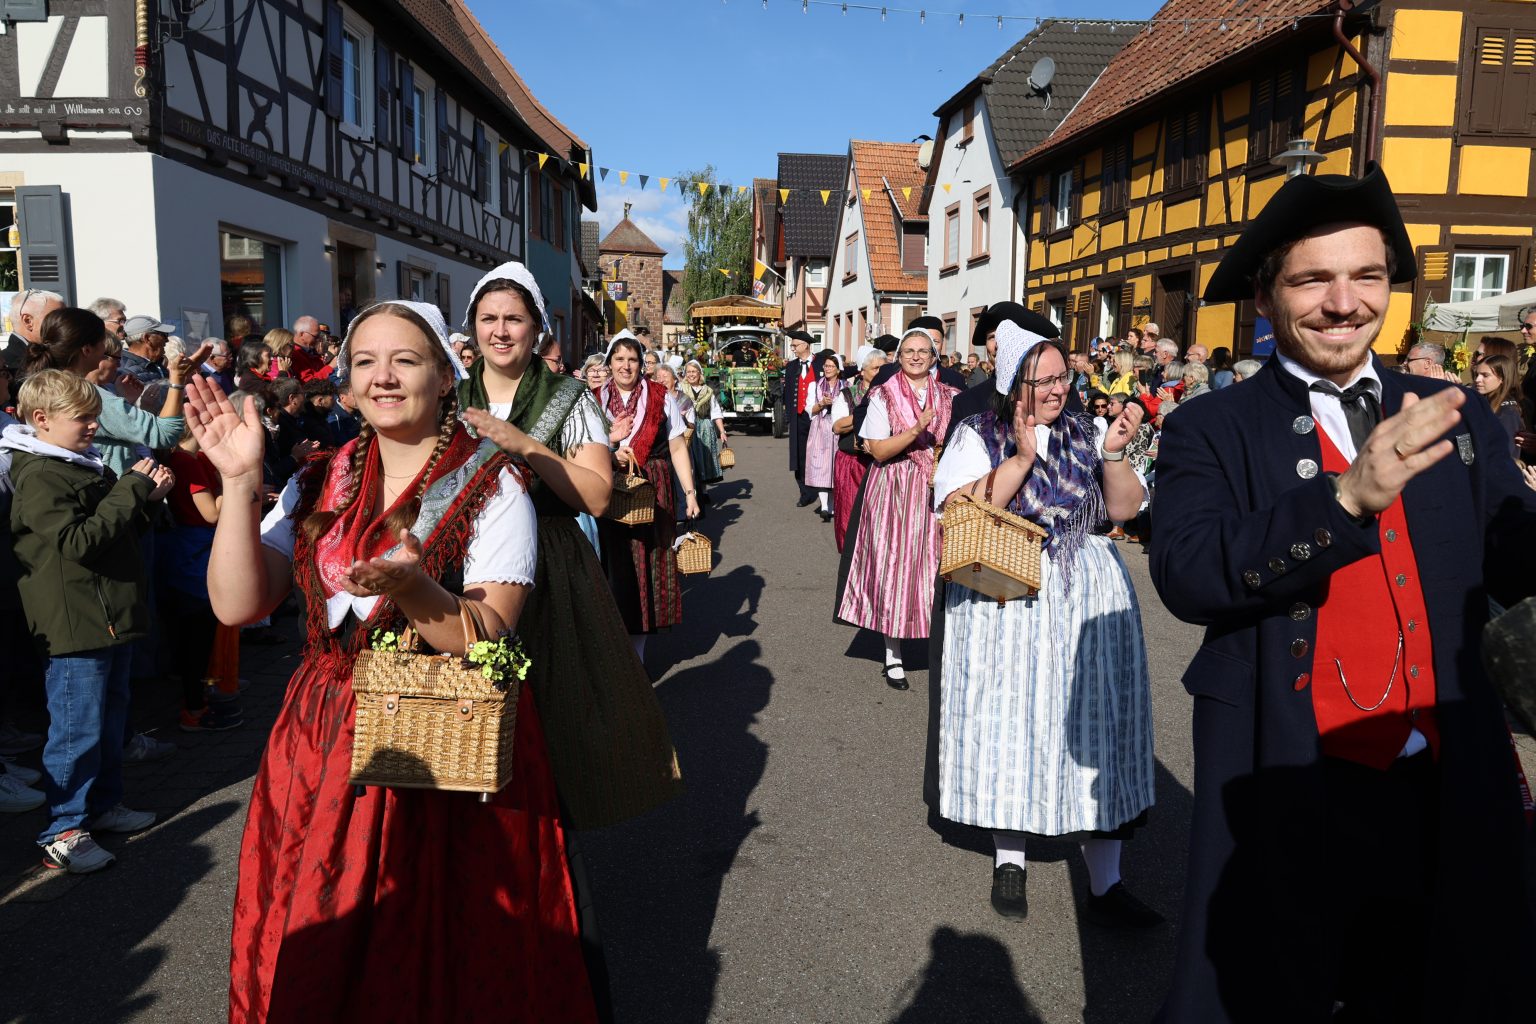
(389, 905)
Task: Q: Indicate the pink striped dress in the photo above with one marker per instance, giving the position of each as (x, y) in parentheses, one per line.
(896, 550)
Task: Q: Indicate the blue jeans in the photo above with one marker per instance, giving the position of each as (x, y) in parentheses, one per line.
(83, 761)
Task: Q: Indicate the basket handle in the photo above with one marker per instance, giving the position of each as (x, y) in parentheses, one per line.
(474, 625)
(991, 477)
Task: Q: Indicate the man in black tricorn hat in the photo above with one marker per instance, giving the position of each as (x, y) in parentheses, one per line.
(799, 375)
(1356, 844)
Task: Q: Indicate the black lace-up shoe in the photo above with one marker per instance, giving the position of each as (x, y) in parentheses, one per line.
(1008, 896)
(1117, 908)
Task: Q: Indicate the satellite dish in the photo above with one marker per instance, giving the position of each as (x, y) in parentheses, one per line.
(1041, 74)
(925, 155)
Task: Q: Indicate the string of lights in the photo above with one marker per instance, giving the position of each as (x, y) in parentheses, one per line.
(1223, 23)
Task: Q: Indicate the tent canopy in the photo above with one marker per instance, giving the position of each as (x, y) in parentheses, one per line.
(735, 306)
(1496, 313)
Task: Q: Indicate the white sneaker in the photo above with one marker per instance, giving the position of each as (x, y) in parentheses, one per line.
(76, 852)
(21, 773)
(144, 748)
(14, 741)
(122, 819)
(16, 797)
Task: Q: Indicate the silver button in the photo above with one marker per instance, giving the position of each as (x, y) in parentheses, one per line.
(1276, 566)
(1300, 612)
(1302, 424)
(1301, 552)
(1253, 579)
(1412, 625)
(1391, 536)
(1413, 670)
(1323, 538)
(1402, 580)
(1306, 469)
(1299, 648)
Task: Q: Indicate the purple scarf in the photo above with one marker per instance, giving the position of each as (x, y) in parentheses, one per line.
(1062, 492)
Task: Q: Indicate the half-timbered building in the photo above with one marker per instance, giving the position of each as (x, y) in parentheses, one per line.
(1137, 194)
(280, 158)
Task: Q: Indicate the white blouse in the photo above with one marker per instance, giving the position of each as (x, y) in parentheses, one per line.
(503, 543)
(583, 426)
(877, 420)
(965, 459)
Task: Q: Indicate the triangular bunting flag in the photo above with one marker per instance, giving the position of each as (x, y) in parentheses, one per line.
(946, 188)
(740, 189)
(502, 147)
(906, 192)
(703, 187)
(722, 270)
(783, 195)
(623, 177)
(583, 169)
(602, 172)
(865, 191)
(644, 178)
(826, 194)
(542, 157)
(664, 183)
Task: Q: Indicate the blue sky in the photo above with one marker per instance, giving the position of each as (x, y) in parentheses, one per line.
(663, 86)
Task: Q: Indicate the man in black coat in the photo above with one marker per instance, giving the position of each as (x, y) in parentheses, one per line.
(799, 375)
(1357, 833)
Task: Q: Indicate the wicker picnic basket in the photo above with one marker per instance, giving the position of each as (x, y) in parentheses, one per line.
(990, 550)
(633, 502)
(429, 721)
(727, 458)
(695, 554)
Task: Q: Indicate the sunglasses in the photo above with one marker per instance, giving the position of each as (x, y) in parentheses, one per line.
(1528, 326)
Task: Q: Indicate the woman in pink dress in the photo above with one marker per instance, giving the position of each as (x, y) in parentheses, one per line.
(821, 446)
(896, 548)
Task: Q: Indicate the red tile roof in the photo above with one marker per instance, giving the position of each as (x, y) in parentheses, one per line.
(1172, 50)
(627, 237)
(879, 166)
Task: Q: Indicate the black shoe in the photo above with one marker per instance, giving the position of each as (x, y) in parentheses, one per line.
(806, 501)
(894, 682)
(1008, 896)
(1117, 908)
(826, 516)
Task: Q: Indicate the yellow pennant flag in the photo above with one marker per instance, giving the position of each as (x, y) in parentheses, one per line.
(542, 158)
(703, 187)
(826, 194)
(740, 189)
(758, 269)
(906, 193)
(722, 270)
(583, 169)
(623, 177)
(502, 147)
(783, 195)
(946, 188)
(866, 194)
(664, 183)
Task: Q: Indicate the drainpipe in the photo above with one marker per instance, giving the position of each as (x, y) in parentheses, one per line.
(1014, 274)
(1345, 6)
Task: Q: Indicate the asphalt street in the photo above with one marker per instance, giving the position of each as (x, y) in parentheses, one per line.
(797, 879)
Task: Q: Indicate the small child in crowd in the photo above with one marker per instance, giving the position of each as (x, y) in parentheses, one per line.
(84, 591)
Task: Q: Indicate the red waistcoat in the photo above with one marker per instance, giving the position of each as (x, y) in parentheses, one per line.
(1369, 602)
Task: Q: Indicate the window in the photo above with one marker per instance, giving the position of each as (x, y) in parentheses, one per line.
(546, 221)
(421, 119)
(1061, 201)
(850, 256)
(981, 224)
(1278, 103)
(1499, 73)
(352, 91)
(914, 254)
(816, 273)
(10, 272)
(951, 236)
(1056, 310)
(949, 332)
(557, 204)
(1478, 276)
(251, 278)
(862, 330)
(1184, 166)
(1115, 188)
(968, 126)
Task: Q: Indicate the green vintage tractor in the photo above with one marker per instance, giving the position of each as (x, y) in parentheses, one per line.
(748, 377)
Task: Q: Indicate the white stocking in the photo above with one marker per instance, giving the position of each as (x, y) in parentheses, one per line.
(1010, 848)
(1103, 859)
(826, 500)
(893, 658)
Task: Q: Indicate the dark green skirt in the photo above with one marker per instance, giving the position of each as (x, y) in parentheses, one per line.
(608, 741)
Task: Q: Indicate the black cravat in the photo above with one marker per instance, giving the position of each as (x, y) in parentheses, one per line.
(1361, 409)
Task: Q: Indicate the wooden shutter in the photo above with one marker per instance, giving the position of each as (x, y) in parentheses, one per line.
(1084, 320)
(1288, 101)
(1501, 93)
(46, 259)
(1038, 306)
(334, 69)
(407, 140)
(1260, 117)
(482, 164)
(445, 168)
(1435, 272)
(504, 175)
(1127, 304)
(1197, 141)
(402, 279)
(1173, 155)
(1115, 186)
(535, 221)
(383, 95)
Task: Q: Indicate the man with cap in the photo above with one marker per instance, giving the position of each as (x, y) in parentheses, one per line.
(1357, 831)
(799, 375)
(144, 354)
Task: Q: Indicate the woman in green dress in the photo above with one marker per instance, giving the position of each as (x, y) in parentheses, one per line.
(708, 425)
(608, 742)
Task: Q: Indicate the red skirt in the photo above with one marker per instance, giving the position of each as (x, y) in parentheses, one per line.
(399, 905)
(848, 472)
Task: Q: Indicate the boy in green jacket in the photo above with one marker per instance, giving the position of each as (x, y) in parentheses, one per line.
(76, 528)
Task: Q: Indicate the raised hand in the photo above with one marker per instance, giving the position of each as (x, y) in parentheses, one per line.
(386, 576)
(185, 367)
(501, 433)
(924, 418)
(234, 440)
(1124, 428)
(1399, 449)
(1024, 435)
(620, 428)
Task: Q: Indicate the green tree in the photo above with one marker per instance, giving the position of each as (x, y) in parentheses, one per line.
(719, 238)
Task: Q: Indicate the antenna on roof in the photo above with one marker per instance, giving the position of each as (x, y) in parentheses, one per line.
(1040, 77)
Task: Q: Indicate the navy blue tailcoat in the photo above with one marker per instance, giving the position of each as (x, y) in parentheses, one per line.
(1247, 534)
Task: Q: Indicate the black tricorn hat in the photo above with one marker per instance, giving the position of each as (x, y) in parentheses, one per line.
(1303, 204)
(802, 336)
(1014, 313)
(887, 343)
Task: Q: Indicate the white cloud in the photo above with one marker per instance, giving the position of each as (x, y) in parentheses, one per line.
(663, 217)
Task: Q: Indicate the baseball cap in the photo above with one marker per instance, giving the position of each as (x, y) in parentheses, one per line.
(140, 325)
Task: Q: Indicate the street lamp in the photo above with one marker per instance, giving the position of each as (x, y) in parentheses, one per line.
(1296, 159)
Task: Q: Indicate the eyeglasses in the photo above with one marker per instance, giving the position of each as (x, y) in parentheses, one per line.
(1529, 325)
(1047, 383)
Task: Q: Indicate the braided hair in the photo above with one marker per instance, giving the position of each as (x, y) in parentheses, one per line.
(404, 515)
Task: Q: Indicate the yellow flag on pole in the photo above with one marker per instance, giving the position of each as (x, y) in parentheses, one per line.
(664, 183)
(758, 269)
(783, 195)
(542, 157)
(906, 192)
(703, 187)
(623, 177)
(826, 194)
